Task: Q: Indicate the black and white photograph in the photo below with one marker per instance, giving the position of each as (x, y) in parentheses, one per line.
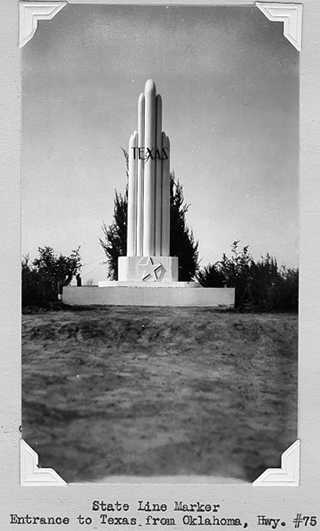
(160, 243)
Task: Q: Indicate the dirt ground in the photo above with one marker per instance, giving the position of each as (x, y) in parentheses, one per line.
(159, 391)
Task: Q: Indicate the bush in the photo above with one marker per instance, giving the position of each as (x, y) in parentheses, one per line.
(36, 289)
(211, 276)
(288, 290)
(44, 278)
(259, 285)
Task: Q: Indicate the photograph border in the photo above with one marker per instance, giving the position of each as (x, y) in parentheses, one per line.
(309, 262)
(291, 17)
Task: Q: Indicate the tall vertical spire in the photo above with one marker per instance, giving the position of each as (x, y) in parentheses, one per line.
(149, 180)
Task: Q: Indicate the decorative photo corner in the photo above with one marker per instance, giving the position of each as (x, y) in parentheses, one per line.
(286, 476)
(290, 15)
(30, 13)
(31, 475)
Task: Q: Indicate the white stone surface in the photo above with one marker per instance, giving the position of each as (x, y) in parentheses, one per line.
(132, 197)
(149, 181)
(165, 227)
(140, 188)
(142, 284)
(148, 268)
(149, 296)
(158, 179)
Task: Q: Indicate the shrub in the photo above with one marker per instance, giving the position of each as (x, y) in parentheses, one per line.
(36, 289)
(211, 276)
(43, 280)
(259, 285)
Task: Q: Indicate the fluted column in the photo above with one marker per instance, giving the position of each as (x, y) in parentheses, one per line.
(158, 177)
(132, 197)
(165, 200)
(140, 188)
(149, 200)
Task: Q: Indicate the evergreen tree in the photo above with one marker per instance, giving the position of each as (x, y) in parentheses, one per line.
(114, 241)
(182, 241)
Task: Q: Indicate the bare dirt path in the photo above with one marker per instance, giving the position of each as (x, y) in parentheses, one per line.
(159, 391)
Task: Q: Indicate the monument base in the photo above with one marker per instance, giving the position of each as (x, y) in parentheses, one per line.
(148, 295)
(143, 284)
(148, 268)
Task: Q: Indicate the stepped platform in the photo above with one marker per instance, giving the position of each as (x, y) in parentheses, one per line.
(149, 294)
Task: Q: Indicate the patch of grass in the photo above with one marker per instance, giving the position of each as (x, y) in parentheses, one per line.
(159, 391)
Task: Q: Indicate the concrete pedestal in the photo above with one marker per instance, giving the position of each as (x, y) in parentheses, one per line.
(148, 295)
(142, 284)
(148, 269)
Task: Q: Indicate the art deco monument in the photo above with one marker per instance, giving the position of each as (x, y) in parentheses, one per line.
(148, 264)
(148, 228)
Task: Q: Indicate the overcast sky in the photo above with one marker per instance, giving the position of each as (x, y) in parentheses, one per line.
(229, 83)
